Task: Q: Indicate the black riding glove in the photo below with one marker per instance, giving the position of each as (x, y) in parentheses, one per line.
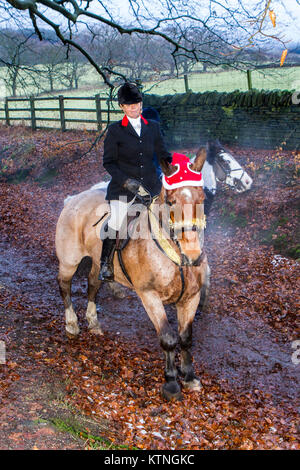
(132, 185)
(135, 187)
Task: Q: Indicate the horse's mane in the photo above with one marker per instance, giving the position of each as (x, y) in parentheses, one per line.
(213, 148)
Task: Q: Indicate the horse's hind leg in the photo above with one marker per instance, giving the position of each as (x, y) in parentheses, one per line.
(185, 314)
(64, 278)
(91, 313)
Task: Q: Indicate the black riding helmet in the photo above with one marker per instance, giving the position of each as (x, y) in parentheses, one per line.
(129, 94)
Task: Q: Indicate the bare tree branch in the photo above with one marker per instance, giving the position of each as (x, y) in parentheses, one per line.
(231, 26)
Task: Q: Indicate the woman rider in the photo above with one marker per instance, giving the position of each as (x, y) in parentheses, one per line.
(129, 148)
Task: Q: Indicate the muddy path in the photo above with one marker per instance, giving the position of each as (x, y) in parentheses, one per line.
(245, 355)
(110, 385)
(248, 355)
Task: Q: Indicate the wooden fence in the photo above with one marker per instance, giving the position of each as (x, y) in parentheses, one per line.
(103, 109)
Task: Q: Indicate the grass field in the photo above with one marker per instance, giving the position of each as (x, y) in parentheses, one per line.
(90, 85)
(267, 79)
(285, 78)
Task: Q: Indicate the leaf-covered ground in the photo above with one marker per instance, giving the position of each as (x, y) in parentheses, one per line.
(101, 392)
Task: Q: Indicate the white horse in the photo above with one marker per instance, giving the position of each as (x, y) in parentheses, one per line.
(221, 166)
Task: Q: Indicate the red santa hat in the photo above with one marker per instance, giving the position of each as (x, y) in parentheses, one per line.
(183, 176)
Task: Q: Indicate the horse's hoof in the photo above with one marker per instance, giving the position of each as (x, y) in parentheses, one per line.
(96, 331)
(193, 385)
(72, 333)
(171, 391)
(118, 290)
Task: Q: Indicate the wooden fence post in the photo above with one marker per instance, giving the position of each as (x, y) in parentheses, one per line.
(98, 112)
(32, 113)
(108, 111)
(186, 83)
(62, 113)
(249, 79)
(7, 112)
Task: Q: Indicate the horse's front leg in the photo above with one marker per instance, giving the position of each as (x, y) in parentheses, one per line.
(185, 313)
(168, 341)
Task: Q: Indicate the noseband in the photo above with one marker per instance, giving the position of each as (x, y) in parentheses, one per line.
(227, 172)
(196, 224)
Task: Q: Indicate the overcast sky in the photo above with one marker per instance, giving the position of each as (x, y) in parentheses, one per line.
(288, 19)
(287, 13)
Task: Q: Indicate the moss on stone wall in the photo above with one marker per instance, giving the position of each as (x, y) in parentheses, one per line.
(250, 119)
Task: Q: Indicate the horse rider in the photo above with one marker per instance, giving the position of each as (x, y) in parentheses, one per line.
(129, 147)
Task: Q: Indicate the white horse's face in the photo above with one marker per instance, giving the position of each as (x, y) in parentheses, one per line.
(228, 170)
(222, 166)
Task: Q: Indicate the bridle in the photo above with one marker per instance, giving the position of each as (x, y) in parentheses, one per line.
(193, 225)
(225, 168)
(175, 228)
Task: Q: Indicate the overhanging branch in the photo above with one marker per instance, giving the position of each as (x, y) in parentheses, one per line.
(176, 26)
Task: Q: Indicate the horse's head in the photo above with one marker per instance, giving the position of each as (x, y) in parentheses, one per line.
(186, 212)
(226, 168)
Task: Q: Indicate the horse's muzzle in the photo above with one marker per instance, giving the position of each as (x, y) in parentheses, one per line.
(191, 245)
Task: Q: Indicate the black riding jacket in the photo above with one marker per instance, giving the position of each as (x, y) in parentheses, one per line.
(128, 155)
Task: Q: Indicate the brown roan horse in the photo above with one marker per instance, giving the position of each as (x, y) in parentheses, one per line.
(155, 276)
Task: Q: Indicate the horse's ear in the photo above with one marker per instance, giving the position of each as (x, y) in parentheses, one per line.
(167, 168)
(213, 147)
(199, 160)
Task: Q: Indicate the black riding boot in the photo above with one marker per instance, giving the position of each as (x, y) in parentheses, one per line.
(106, 263)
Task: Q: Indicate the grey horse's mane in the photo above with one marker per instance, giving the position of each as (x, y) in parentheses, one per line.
(101, 185)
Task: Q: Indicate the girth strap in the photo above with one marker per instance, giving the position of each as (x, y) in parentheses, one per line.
(120, 245)
(119, 252)
(182, 284)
